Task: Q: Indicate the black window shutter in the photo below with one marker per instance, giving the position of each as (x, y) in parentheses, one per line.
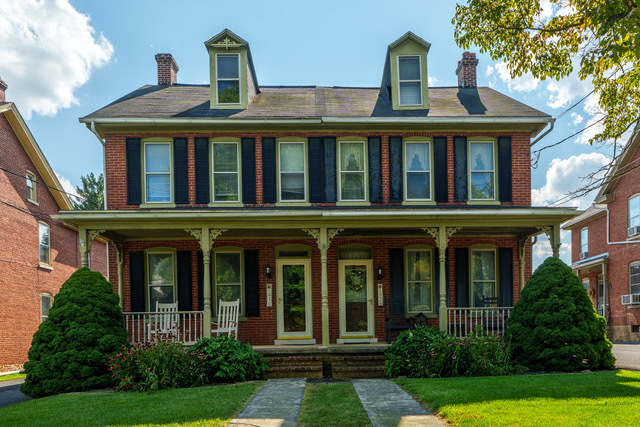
(248, 170)
(330, 188)
(180, 171)
(440, 184)
(395, 169)
(268, 170)
(201, 151)
(184, 280)
(396, 271)
(200, 261)
(251, 283)
(460, 169)
(505, 262)
(314, 160)
(504, 169)
(375, 169)
(462, 277)
(136, 282)
(134, 172)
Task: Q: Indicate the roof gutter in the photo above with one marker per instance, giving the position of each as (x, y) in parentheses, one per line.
(552, 123)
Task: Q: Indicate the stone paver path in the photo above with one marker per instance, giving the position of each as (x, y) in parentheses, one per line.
(276, 404)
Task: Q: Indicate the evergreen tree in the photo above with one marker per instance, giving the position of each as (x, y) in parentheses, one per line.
(92, 192)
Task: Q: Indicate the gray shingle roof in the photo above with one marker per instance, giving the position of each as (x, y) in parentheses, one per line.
(192, 101)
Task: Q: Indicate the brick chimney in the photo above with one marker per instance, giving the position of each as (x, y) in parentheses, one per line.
(466, 70)
(3, 88)
(167, 69)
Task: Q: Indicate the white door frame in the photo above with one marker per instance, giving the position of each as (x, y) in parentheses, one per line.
(306, 336)
(356, 337)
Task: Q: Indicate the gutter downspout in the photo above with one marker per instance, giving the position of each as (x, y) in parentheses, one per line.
(104, 190)
(609, 242)
(553, 122)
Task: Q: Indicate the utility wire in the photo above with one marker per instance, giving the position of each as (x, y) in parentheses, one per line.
(43, 184)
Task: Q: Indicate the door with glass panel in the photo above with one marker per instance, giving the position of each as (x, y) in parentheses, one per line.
(600, 303)
(356, 299)
(293, 293)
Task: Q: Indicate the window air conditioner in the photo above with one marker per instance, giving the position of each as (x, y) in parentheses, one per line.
(632, 231)
(630, 299)
(584, 255)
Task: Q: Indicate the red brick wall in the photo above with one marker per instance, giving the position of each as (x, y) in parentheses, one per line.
(116, 179)
(23, 280)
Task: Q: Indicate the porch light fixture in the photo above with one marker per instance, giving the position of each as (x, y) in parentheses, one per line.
(379, 273)
(268, 271)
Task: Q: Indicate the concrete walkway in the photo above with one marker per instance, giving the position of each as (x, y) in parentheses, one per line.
(276, 404)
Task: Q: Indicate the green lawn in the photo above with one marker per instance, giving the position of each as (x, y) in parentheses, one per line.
(200, 406)
(11, 376)
(609, 398)
(332, 404)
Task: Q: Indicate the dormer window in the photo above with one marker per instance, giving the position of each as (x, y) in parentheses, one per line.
(409, 80)
(228, 78)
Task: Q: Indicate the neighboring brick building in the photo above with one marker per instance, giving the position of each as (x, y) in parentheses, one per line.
(37, 252)
(313, 205)
(605, 246)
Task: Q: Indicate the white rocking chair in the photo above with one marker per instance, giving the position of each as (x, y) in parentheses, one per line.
(227, 318)
(165, 321)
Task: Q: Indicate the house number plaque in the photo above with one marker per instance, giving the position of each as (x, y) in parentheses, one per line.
(380, 296)
(269, 295)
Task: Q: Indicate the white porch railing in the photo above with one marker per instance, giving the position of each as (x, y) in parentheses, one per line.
(186, 327)
(461, 321)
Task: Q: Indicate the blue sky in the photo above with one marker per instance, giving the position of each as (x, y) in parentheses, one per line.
(65, 59)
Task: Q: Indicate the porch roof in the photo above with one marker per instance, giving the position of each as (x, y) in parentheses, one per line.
(372, 222)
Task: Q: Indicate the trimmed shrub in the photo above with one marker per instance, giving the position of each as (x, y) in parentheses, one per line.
(230, 360)
(70, 349)
(554, 327)
(150, 367)
(428, 352)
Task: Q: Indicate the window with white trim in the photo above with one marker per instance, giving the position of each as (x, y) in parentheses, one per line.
(352, 166)
(44, 240)
(584, 240)
(32, 194)
(228, 283)
(419, 288)
(228, 78)
(157, 172)
(417, 160)
(226, 180)
(45, 306)
(292, 166)
(409, 80)
(634, 277)
(483, 276)
(482, 182)
(161, 280)
(634, 211)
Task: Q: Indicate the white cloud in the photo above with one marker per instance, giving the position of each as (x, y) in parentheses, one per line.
(570, 89)
(576, 118)
(432, 80)
(67, 186)
(564, 176)
(500, 71)
(48, 51)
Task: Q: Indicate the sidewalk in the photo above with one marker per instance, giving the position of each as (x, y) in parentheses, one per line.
(278, 403)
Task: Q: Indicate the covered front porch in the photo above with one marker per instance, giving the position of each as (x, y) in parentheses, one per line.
(319, 277)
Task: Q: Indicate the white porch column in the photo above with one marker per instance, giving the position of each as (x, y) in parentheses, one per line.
(85, 246)
(521, 255)
(120, 261)
(442, 235)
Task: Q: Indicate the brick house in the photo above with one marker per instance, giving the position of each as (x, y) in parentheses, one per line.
(314, 205)
(37, 253)
(605, 246)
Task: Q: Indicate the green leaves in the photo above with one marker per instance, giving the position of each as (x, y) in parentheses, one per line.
(92, 192)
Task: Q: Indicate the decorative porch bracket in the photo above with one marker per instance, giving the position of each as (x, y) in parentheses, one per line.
(323, 237)
(206, 237)
(442, 235)
(553, 232)
(86, 239)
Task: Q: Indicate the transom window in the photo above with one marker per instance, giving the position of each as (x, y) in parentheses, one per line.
(419, 283)
(584, 240)
(32, 194)
(292, 171)
(409, 80)
(225, 172)
(417, 157)
(45, 243)
(634, 211)
(157, 171)
(228, 78)
(482, 171)
(483, 276)
(352, 171)
(228, 277)
(634, 278)
(161, 278)
(45, 306)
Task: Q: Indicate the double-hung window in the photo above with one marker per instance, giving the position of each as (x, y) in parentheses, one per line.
(409, 80)
(45, 306)
(225, 172)
(157, 172)
(292, 171)
(32, 194)
(482, 171)
(352, 162)
(483, 276)
(419, 283)
(417, 159)
(634, 215)
(228, 277)
(44, 243)
(161, 278)
(584, 242)
(634, 278)
(228, 78)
